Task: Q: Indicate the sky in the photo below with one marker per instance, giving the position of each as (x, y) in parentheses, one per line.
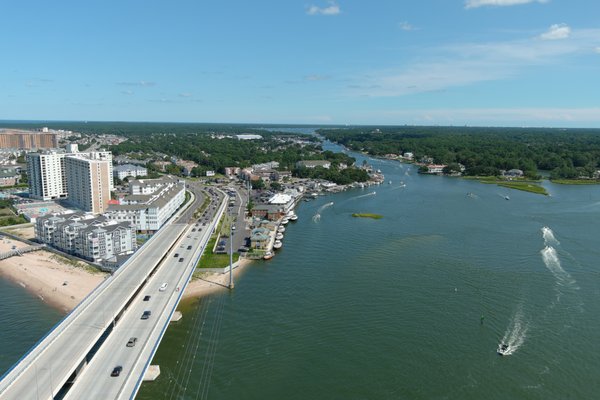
(426, 62)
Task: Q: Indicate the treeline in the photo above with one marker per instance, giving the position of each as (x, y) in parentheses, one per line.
(333, 174)
(566, 153)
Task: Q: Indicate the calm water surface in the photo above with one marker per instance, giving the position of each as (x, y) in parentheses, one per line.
(412, 306)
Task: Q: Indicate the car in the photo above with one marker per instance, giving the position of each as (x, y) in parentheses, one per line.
(146, 314)
(194, 230)
(116, 371)
(163, 287)
(131, 342)
(181, 259)
(147, 297)
(189, 236)
(233, 228)
(176, 255)
(189, 247)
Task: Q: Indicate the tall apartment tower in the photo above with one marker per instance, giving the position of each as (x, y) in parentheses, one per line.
(46, 172)
(89, 181)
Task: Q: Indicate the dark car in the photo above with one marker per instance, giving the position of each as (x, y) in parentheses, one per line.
(146, 314)
(131, 342)
(176, 255)
(181, 259)
(194, 230)
(189, 247)
(147, 297)
(116, 371)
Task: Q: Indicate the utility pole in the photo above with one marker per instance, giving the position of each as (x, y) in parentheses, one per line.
(230, 252)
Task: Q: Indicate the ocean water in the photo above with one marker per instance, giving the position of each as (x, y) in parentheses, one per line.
(411, 306)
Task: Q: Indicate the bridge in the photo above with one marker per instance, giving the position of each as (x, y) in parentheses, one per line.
(75, 359)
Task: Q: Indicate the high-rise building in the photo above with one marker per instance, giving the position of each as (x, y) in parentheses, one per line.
(21, 139)
(84, 178)
(88, 177)
(46, 175)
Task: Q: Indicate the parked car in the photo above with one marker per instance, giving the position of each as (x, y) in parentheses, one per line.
(176, 255)
(116, 371)
(131, 342)
(189, 247)
(181, 259)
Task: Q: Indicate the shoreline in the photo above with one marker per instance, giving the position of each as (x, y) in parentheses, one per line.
(44, 275)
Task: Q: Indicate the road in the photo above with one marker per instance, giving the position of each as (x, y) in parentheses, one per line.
(52, 361)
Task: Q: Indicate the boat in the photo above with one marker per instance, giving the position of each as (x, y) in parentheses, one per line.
(390, 182)
(506, 198)
(277, 244)
(503, 349)
(284, 221)
(281, 229)
(279, 236)
(294, 217)
(268, 255)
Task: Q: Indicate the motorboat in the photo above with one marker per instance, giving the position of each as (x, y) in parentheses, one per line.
(281, 229)
(268, 255)
(294, 217)
(503, 349)
(279, 236)
(277, 245)
(506, 198)
(284, 221)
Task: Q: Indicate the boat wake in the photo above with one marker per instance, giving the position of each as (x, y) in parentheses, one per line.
(515, 335)
(549, 238)
(552, 262)
(317, 216)
(365, 195)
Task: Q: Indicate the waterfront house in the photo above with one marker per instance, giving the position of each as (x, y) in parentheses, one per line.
(435, 168)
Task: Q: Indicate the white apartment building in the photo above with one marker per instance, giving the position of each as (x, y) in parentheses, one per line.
(129, 170)
(53, 174)
(150, 204)
(94, 238)
(46, 173)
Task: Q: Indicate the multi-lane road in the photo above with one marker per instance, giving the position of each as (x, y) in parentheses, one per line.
(112, 311)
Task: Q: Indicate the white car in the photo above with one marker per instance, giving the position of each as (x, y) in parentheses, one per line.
(163, 287)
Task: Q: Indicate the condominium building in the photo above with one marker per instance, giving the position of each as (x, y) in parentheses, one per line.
(94, 238)
(84, 178)
(150, 204)
(22, 139)
(88, 180)
(129, 170)
(46, 173)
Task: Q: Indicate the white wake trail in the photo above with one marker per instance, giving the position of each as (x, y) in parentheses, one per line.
(552, 262)
(549, 238)
(515, 334)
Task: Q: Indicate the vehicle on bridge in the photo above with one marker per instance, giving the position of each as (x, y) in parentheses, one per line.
(131, 342)
(163, 287)
(116, 371)
(146, 314)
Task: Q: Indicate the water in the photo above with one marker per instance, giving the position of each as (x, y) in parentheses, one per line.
(411, 306)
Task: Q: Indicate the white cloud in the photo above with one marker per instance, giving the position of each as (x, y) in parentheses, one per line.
(468, 63)
(405, 26)
(316, 77)
(499, 3)
(332, 9)
(556, 32)
(138, 83)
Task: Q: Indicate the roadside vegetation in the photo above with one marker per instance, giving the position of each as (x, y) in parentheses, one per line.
(8, 214)
(209, 259)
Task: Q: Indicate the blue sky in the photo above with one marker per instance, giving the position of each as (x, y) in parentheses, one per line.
(426, 62)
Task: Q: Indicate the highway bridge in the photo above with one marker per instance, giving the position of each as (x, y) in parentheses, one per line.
(75, 359)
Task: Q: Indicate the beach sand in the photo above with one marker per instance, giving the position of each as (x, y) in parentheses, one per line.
(54, 279)
(213, 282)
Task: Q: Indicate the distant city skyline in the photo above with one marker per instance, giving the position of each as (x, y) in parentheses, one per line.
(432, 62)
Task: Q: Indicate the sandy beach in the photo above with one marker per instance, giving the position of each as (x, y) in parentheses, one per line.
(52, 278)
(213, 282)
(58, 282)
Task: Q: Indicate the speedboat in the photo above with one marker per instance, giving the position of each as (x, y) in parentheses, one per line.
(506, 198)
(503, 349)
(277, 244)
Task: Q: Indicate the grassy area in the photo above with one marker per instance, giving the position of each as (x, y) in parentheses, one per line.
(213, 260)
(524, 185)
(576, 181)
(203, 207)
(367, 215)
(75, 264)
